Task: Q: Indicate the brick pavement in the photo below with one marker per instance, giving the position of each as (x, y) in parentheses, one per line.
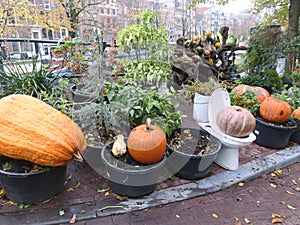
(258, 202)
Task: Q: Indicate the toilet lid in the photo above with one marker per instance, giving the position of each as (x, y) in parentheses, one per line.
(218, 100)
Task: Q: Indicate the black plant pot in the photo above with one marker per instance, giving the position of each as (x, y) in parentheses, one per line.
(273, 136)
(81, 97)
(296, 136)
(33, 187)
(184, 163)
(130, 178)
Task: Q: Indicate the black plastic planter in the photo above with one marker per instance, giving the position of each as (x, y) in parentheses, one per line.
(127, 179)
(188, 165)
(273, 136)
(31, 188)
(296, 136)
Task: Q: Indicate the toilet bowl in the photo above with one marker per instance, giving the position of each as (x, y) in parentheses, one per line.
(228, 156)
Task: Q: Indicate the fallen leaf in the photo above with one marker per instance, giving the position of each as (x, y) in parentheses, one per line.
(121, 198)
(70, 189)
(276, 220)
(247, 220)
(2, 192)
(297, 188)
(61, 212)
(102, 190)
(106, 193)
(273, 185)
(283, 203)
(214, 215)
(177, 216)
(241, 184)
(295, 182)
(238, 223)
(289, 192)
(77, 184)
(82, 211)
(73, 220)
(264, 176)
(274, 215)
(291, 207)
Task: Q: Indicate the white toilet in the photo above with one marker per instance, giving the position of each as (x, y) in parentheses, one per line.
(228, 156)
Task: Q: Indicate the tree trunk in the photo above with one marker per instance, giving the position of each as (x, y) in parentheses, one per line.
(294, 13)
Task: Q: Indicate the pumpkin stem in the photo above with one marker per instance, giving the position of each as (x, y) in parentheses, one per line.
(78, 156)
(148, 124)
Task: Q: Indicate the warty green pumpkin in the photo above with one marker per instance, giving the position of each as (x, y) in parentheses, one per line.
(32, 130)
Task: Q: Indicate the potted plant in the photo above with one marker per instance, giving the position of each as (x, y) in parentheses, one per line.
(133, 165)
(273, 123)
(296, 134)
(191, 153)
(148, 51)
(38, 142)
(200, 92)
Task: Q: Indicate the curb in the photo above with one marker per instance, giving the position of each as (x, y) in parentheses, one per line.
(246, 172)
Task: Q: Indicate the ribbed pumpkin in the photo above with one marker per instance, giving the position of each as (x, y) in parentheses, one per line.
(275, 110)
(260, 92)
(147, 143)
(34, 131)
(296, 113)
(235, 121)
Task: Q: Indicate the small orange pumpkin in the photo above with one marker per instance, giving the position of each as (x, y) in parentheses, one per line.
(147, 143)
(260, 92)
(275, 110)
(236, 121)
(296, 113)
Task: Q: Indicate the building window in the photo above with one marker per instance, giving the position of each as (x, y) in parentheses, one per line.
(107, 1)
(35, 35)
(15, 46)
(102, 10)
(44, 33)
(108, 11)
(114, 11)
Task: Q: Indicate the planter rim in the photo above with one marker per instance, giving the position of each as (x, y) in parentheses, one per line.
(133, 169)
(212, 138)
(9, 173)
(269, 124)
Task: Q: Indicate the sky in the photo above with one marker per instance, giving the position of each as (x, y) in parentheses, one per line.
(237, 5)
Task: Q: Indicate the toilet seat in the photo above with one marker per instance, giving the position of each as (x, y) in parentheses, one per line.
(228, 155)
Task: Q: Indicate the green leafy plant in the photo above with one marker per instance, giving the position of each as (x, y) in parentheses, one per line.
(289, 94)
(140, 104)
(147, 48)
(39, 83)
(247, 100)
(203, 88)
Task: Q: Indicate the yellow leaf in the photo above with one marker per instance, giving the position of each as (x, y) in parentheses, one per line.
(121, 198)
(274, 215)
(214, 215)
(73, 220)
(297, 188)
(295, 182)
(177, 216)
(2, 192)
(273, 185)
(241, 184)
(276, 220)
(283, 203)
(106, 193)
(289, 192)
(247, 220)
(278, 172)
(70, 189)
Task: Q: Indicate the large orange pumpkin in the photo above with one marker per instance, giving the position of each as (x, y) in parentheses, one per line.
(260, 92)
(34, 131)
(275, 110)
(147, 143)
(236, 121)
(296, 113)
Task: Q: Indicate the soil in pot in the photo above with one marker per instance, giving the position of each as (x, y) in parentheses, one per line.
(192, 153)
(274, 135)
(29, 183)
(128, 177)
